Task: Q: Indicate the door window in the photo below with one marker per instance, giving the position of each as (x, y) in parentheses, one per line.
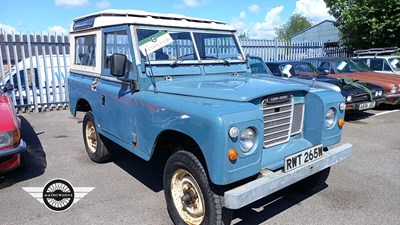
(116, 42)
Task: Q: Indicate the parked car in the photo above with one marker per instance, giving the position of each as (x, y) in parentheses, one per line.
(39, 85)
(346, 67)
(259, 69)
(170, 88)
(381, 59)
(11, 144)
(358, 95)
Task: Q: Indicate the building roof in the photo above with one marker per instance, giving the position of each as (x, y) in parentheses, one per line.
(318, 24)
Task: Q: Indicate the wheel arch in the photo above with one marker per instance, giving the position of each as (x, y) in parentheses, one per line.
(170, 141)
(82, 105)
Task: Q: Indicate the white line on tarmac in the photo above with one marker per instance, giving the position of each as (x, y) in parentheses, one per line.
(387, 112)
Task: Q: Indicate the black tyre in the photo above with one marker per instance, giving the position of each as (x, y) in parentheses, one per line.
(189, 196)
(94, 142)
(312, 182)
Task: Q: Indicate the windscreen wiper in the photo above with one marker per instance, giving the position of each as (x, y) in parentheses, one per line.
(226, 62)
(180, 60)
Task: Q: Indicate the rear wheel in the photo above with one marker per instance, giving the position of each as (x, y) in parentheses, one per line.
(312, 182)
(189, 197)
(94, 142)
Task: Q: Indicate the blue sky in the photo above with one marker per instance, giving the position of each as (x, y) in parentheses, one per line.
(257, 18)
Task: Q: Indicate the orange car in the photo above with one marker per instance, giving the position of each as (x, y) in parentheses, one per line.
(358, 70)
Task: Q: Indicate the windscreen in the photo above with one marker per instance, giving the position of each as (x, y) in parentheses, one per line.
(257, 65)
(395, 63)
(361, 65)
(347, 66)
(163, 46)
(298, 70)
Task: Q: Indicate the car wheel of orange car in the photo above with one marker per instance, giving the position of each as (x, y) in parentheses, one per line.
(94, 142)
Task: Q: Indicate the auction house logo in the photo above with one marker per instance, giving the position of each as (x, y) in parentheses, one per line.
(58, 194)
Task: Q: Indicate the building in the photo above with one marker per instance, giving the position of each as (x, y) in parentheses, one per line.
(324, 31)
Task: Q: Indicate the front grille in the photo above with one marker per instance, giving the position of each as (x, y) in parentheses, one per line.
(298, 114)
(362, 97)
(281, 119)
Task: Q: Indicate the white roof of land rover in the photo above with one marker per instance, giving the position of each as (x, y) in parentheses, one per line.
(112, 17)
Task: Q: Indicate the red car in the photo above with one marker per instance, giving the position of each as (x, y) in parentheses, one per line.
(11, 144)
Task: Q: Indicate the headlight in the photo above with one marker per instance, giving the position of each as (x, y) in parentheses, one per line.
(10, 138)
(377, 94)
(342, 106)
(6, 139)
(393, 89)
(380, 93)
(330, 118)
(348, 98)
(247, 139)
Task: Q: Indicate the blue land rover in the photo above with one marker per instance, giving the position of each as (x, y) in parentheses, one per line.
(182, 86)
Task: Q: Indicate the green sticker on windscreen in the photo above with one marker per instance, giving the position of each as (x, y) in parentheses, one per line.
(154, 42)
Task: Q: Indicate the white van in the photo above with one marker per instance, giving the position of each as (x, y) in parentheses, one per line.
(44, 83)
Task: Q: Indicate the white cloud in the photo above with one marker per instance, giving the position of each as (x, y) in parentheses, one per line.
(57, 30)
(191, 3)
(238, 24)
(260, 30)
(103, 4)
(316, 10)
(7, 28)
(71, 3)
(274, 15)
(254, 8)
(242, 15)
(266, 29)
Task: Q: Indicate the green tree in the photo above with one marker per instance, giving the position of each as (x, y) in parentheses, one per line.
(242, 35)
(294, 25)
(367, 23)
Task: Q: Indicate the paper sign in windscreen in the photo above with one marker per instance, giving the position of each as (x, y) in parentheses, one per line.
(154, 42)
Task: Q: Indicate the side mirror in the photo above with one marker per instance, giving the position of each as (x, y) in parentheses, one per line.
(120, 65)
(7, 88)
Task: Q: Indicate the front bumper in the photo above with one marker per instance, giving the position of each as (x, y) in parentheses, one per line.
(270, 182)
(356, 105)
(392, 99)
(392, 95)
(12, 151)
(12, 163)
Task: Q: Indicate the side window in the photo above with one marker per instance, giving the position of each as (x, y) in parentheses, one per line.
(376, 64)
(116, 42)
(85, 52)
(274, 70)
(386, 66)
(30, 75)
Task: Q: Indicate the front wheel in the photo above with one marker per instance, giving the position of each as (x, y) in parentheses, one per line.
(189, 197)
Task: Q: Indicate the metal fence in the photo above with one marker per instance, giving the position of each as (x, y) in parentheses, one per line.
(38, 65)
(272, 50)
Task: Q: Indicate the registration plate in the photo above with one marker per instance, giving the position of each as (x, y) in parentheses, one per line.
(367, 105)
(303, 158)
